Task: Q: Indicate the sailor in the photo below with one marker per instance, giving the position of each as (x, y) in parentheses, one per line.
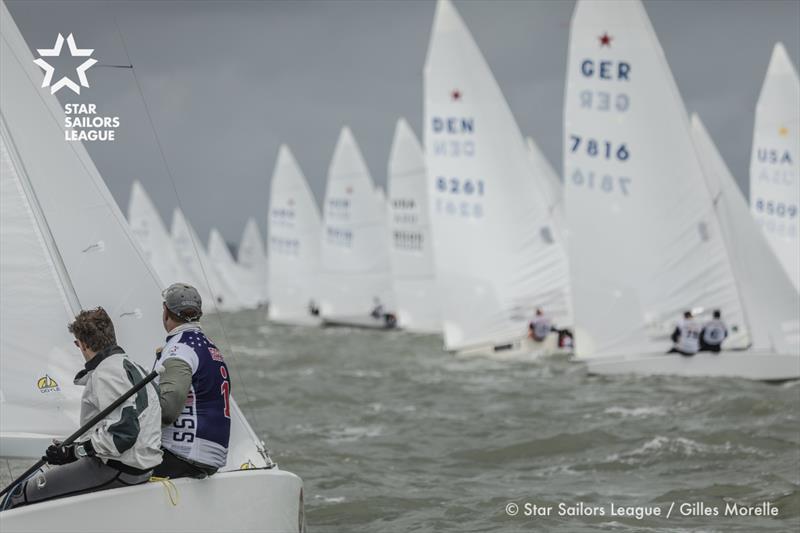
(686, 336)
(313, 309)
(120, 450)
(377, 309)
(565, 339)
(195, 391)
(539, 327)
(713, 333)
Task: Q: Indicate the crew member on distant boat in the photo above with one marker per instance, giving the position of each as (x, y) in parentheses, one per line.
(122, 449)
(313, 308)
(195, 391)
(540, 327)
(713, 333)
(377, 309)
(686, 337)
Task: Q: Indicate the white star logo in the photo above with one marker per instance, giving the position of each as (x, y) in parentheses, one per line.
(74, 52)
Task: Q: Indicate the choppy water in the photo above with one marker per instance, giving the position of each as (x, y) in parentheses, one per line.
(389, 433)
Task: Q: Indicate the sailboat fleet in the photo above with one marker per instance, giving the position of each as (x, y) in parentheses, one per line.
(475, 234)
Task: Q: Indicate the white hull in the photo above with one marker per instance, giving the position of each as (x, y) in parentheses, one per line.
(356, 322)
(516, 349)
(731, 364)
(244, 500)
(297, 321)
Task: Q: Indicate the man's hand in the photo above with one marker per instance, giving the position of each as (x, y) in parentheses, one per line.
(58, 454)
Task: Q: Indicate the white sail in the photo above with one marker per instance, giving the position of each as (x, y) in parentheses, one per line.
(413, 271)
(253, 260)
(775, 162)
(74, 250)
(230, 272)
(550, 183)
(770, 300)
(355, 240)
(216, 293)
(153, 237)
(294, 244)
(644, 240)
(498, 256)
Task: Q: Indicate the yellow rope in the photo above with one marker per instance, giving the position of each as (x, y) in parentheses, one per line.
(172, 490)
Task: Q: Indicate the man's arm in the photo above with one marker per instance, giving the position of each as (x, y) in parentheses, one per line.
(175, 382)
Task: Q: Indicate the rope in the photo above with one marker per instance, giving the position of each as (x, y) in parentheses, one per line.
(170, 488)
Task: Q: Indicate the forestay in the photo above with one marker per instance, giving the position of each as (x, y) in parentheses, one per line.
(644, 241)
(415, 287)
(770, 299)
(153, 238)
(217, 295)
(294, 243)
(65, 246)
(355, 243)
(253, 260)
(498, 256)
(775, 162)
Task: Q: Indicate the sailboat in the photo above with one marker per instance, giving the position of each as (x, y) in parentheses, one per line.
(230, 272)
(195, 262)
(294, 245)
(356, 270)
(646, 241)
(153, 237)
(775, 162)
(498, 255)
(253, 260)
(415, 286)
(65, 245)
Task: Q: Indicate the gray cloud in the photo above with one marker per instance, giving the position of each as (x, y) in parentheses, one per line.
(227, 82)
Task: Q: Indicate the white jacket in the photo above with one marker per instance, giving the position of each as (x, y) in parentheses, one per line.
(131, 434)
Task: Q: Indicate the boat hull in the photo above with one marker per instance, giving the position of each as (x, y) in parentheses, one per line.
(729, 364)
(243, 500)
(356, 322)
(517, 349)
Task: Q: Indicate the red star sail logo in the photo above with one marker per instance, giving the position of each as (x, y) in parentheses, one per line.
(455, 95)
(605, 40)
(349, 190)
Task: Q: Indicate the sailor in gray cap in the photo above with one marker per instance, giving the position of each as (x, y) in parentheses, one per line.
(195, 427)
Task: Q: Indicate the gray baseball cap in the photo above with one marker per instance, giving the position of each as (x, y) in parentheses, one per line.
(181, 297)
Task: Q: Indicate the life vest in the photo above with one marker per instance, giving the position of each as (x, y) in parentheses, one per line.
(688, 336)
(714, 332)
(540, 328)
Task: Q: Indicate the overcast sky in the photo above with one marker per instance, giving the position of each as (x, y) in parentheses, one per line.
(228, 82)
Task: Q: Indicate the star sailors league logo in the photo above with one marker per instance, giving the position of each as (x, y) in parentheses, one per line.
(56, 52)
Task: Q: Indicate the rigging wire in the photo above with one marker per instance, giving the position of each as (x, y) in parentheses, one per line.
(195, 245)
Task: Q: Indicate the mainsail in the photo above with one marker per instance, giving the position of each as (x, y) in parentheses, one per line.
(230, 272)
(253, 260)
(775, 162)
(415, 286)
(498, 255)
(770, 299)
(65, 246)
(294, 243)
(216, 293)
(153, 237)
(355, 239)
(644, 240)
